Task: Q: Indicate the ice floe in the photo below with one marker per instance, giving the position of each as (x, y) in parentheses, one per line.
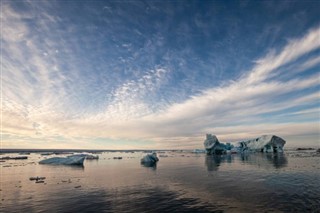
(69, 160)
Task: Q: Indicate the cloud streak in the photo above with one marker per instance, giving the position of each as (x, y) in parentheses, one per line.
(54, 91)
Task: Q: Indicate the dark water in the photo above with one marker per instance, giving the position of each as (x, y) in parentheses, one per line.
(181, 182)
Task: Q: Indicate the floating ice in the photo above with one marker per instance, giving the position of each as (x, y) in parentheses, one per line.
(92, 157)
(150, 159)
(265, 143)
(69, 160)
(37, 178)
(213, 146)
(199, 151)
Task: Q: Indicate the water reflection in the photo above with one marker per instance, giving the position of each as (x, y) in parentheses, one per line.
(214, 161)
(244, 183)
(71, 167)
(279, 159)
(150, 165)
(265, 160)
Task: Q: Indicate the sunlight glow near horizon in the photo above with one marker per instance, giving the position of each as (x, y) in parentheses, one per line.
(158, 75)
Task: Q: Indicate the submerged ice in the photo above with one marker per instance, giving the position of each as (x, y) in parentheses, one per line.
(265, 143)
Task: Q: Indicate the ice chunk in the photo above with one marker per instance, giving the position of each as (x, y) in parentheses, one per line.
(150, 159)
(69, 160)
(213, 146)
(37, 178)
(265, 143)
(199, 151)
(92, 157)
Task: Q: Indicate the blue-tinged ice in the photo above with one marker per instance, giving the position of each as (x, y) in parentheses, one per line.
(213, 145)
(265, 143)
(150, 159)
(198, 151)
(92, 157)
(69, 160)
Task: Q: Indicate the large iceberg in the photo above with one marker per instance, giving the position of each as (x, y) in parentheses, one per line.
(69, 160)
(150, 159)
(265, 143)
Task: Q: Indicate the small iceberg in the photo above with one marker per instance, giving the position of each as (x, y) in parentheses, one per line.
(69, 160)
(198, 151)
(150, 160)
(37, 178)
(92, 157)
(46, 153)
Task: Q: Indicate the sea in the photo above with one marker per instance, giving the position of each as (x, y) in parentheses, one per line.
(181, 181)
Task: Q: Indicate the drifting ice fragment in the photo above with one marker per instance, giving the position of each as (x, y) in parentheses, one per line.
(150, 159)
(92, 157)
(37, 178)
(199, 151)
(69, 160)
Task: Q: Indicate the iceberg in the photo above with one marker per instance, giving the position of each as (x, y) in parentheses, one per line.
(69, 160)
(150, 159)
(92, 157)
(265, 143)
(213, 146)
(88, 156)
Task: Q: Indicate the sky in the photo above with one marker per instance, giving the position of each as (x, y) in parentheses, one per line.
(158, 74)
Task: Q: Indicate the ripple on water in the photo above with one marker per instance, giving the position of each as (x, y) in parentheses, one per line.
(252, 183)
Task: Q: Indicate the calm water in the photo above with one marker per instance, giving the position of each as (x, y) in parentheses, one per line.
(181, 182)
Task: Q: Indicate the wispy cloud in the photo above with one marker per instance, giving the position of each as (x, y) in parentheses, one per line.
(55, 92)
(266, 67)
(128, 101)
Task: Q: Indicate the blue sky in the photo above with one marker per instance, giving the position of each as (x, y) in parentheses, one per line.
(158, 74)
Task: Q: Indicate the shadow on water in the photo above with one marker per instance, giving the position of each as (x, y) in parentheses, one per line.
(277, 160)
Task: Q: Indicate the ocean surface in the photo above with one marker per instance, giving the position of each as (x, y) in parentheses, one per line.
(180, 182)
